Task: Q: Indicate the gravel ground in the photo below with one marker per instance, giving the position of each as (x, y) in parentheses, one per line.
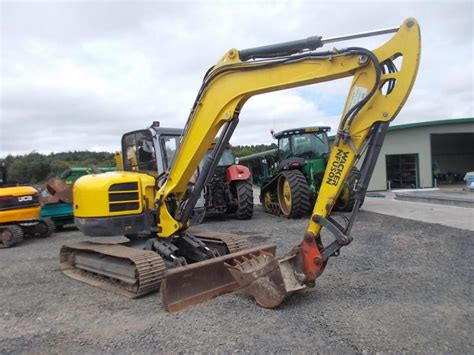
(400, 286)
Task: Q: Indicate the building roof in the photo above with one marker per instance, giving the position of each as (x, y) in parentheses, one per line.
(432, 123)
(427, 124)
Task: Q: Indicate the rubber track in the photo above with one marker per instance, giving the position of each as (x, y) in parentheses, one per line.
(271, 187)
(150, 268)
(17, 233)
(50, 227)
(245, 200)
(274, 207)
(301, 204)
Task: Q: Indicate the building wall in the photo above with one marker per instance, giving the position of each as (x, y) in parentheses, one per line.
(412, 141)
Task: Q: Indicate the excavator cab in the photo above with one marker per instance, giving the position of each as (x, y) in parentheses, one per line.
(151, 150)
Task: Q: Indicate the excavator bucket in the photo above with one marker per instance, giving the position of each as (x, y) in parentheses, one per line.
(195, 283)
(264, 277)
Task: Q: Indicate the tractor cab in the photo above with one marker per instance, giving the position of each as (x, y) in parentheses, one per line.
(305, 143)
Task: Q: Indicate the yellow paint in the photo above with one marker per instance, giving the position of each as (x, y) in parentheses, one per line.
(18, 191)
(118, 161)
(19, 214)
(16, 214)
(91, 193)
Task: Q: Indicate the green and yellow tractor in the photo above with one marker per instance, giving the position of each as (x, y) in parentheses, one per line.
(290, 176)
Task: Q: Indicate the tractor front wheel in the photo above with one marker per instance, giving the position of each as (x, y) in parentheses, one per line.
(293, 194)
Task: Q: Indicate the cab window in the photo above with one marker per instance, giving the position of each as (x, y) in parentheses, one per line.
(227, 158)
(284, 148)
(169, 145)
(138, 151)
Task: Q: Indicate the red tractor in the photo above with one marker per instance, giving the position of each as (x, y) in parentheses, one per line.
(229, 189)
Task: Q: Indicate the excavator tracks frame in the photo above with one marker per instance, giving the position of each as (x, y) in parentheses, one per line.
(134, 272)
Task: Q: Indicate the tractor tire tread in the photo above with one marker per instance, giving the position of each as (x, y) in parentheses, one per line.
(301, 204)
(245, 200)
(351, 180)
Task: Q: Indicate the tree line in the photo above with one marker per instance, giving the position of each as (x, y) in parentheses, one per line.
(244, 150)
(35, 167)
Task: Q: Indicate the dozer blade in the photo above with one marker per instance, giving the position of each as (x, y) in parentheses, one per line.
(266, 278)
(195, 283)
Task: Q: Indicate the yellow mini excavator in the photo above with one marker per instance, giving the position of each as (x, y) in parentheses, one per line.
(192, 266)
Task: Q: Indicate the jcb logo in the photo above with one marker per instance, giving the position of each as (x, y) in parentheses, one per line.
(25, 198)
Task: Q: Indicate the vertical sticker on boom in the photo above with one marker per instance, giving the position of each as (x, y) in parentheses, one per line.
(358, 93)
(337, 166)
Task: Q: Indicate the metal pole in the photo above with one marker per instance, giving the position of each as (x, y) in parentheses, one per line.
(360, 35)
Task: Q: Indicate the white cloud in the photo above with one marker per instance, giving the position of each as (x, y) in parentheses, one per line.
(76, 75)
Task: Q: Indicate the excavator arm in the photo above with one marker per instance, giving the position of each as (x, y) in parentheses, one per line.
(235, 78)
(377, 93)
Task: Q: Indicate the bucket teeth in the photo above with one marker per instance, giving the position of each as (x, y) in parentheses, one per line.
(262, 277)
(266, 278)
(247, 268)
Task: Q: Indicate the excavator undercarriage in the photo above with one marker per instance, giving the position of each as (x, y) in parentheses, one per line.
(136, 267)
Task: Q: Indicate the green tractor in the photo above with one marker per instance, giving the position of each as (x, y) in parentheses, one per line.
(290, 176)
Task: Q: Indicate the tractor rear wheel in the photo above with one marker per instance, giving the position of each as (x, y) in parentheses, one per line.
(244, 200)
(293, 194)
(10, 235)
(346, 200)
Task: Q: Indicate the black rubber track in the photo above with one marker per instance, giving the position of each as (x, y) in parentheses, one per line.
(45, 228)
(300, 194)
(245, 200)
(16, 235)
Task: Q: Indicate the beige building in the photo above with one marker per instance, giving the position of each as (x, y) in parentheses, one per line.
(414, 155)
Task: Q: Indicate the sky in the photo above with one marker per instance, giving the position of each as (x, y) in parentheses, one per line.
(76, 75)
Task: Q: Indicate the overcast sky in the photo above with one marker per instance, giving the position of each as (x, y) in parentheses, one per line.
(78, 74)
